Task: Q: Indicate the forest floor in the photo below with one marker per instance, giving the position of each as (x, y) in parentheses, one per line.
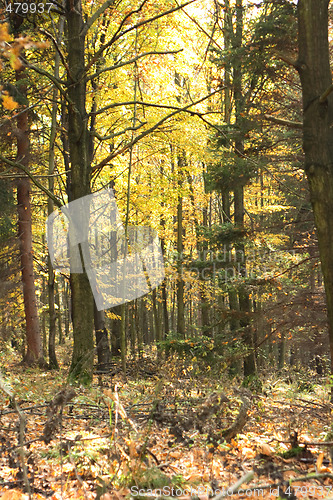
(158, 434)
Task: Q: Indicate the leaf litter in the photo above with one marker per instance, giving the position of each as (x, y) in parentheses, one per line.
(161, 434)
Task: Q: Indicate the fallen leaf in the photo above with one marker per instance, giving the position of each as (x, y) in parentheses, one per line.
(319, 462)
(13, 495)
(265, 449)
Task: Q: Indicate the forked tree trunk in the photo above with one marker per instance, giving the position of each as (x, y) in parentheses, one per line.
(314, 69)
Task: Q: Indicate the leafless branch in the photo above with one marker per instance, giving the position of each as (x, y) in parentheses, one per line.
(152, 105)
(282, 121)
(154, 127)
(118, 34)
(233, 489)
(58, 49)
(287, 60)
(130, 61)
(116, 134)
(16, 164)
(325, 95)
(211, 39)
(57, 82)
(95, 16)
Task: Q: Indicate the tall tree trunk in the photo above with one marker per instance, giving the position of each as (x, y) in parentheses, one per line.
(58, 312)
(66, 305)
(164, 292)
(202, 250)
(101, 333)
(314, 69)
(180, 281)
(34, 344)
(243, 295)
(51, 275)
(80, 174)
(156, 316)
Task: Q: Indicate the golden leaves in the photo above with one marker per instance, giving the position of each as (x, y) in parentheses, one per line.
(8, 102)
(4, 35)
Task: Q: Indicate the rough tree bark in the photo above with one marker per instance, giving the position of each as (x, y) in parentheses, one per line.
(33, 338)
(53, 363)
(313, 66)
(80, 175)
(243, 295)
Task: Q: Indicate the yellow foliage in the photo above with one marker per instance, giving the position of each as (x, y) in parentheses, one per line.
(4, 35)
(8, 102)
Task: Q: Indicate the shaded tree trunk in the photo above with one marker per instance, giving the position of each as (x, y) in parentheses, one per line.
(102, 341)
(180, 281)
(51, 275)
(243, 295)
(34, 343)
(80, 172)
(58, 312)
(314, 69)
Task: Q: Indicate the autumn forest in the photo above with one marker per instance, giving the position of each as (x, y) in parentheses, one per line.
(166, 243)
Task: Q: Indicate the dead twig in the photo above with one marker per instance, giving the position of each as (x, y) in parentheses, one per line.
(233, 489)
(21, 450)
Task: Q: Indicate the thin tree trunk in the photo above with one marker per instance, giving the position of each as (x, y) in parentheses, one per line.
(116, 332)
(66, 301)
(243, 295)
(201, 249)
(58, 312)
(102, 341)
(180, 281)
(51, 275)
(34, 352)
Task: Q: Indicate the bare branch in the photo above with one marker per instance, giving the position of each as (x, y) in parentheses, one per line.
(116, 134)
(150, 104)
(130, 61)
(18, 165)
(233, 489)
(287, 60)
(126, 17)
(282, 121)
(325, 95)
(211, 39)
(95, 16)
(154, 127)
(57, 82)
(55, 43)
(119, 33)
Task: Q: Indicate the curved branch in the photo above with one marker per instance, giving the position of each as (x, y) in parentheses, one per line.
(18, 165)
(95, 16)
(58, 83)
(282, 121)
(58, 49)
(130, 61)
(116, 134)
(154, 127)
(325, 95)
(119, 33)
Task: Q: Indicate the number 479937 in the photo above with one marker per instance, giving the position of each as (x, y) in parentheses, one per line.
(27, 8)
